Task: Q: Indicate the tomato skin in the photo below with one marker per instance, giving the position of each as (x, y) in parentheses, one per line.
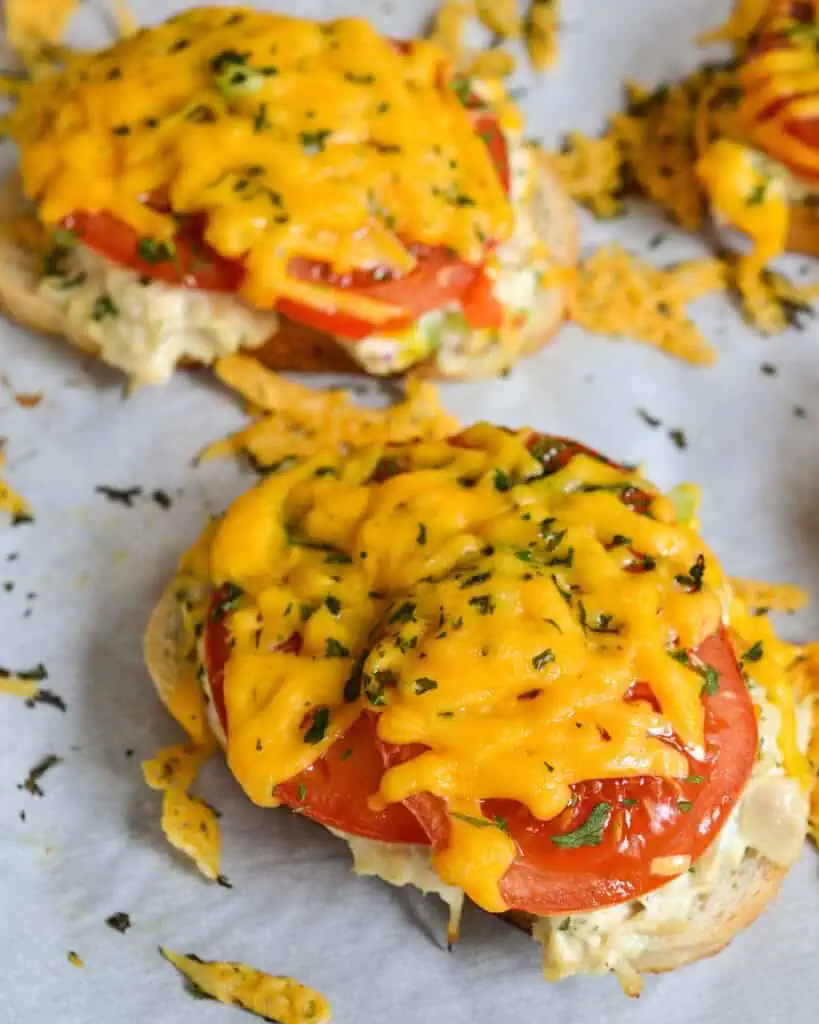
(547, 879)
(195, 264)
(334, 790)
(437, 281)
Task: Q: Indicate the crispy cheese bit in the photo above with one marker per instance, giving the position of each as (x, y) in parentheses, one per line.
(30, 23)
(448, 25)
(492, 64)
(400, 566)
(657, 137)
(500, 17)
(271, 997)
(126, 20)
(194, 108)
(743, 21)
(299, 422)
(772, 597)
(810, 667)
(620, 295)
(191, 826)
(176, 767)
(10, 501)
(591, 170)
(75, 959)
(540, 33)
(781, 670)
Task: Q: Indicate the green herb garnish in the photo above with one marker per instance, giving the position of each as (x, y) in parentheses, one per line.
(318, 728)
(104, 306)
(334, 649)
(590, 833)
(404, 613)
(545, 657)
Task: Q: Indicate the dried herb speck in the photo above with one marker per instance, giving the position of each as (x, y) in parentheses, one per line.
(119, 496)
(120, 922)
(31, 783)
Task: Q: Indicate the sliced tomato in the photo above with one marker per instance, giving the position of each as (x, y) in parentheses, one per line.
(439, 279)
(487, 126)
(645, 818)
(776, 36)
(191, 263)
(334, 790)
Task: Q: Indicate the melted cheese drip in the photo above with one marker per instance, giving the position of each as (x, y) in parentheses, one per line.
(271, 997)
(446, 593)
(296, 138)
(750, 197)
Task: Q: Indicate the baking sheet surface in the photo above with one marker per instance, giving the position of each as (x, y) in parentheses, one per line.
(76, 588)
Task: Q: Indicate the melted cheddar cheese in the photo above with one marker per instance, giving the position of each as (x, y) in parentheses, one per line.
(295, 138)
(493, 613)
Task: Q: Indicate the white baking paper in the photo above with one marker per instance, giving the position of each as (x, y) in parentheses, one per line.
(81, 580)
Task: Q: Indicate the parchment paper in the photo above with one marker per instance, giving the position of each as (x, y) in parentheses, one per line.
(83, 578)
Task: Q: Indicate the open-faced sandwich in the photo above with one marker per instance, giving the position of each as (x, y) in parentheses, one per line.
(762, 174)
(502, 667)
(325, 197)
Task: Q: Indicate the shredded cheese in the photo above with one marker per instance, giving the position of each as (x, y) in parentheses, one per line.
(271, 997)
(741, 24)
(10, 501)
(176, 767)
(620, 295)
(769, 597)
(31, 23)
(781, 670)
(540, 33)
(298, 139)
(190, 825)
(17, 686)
(591, 170)
(297, 421)
(500, 17)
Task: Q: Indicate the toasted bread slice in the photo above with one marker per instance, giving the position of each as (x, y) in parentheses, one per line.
(735, 900)
(290, 345)
(731, 907)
